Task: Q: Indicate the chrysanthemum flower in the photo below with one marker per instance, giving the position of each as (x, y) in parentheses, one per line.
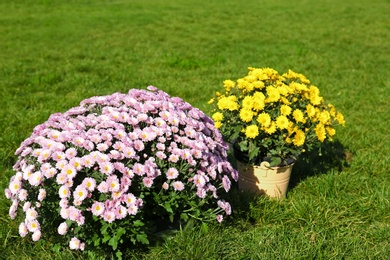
(62, 228)
(252, 131)
(74, 243)
(282, 122)
(178, 186)
(98, 208)
(23, 231)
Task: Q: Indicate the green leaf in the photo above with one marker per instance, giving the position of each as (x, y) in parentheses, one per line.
(113, 242)
(119, 255)
(106, 237)
(184, 217)
(168, 208)
(243, 145)
(142, 238)
(138, 223)
(275, 161)
(253, 152)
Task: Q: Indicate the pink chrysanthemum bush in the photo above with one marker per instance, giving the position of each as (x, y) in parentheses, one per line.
(105, 173)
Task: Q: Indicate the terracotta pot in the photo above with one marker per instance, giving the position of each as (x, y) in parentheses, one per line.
(263, 179)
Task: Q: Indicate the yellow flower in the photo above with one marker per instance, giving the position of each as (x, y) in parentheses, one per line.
(250, 78)
(310, 110)
(298, 116)
(283, 90)
(211, 101)
(229, 84)
(331, 131)
(246, 115)
(315, 98)
(332, 110)
(340, 119)
(298, 87)
(258, 101)
(229, 103)
(285, 101)
(252, 131)
(264, 119)
(273, 94)
(324, 117)
(282, 122)
(217, 124)
(217, 116)
(258, 84)
(285, 110)
(320, 132)
(271, 128)
(242, 83)
(299, 138)
(247, 102)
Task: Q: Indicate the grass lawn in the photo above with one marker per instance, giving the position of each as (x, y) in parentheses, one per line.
(54, 54)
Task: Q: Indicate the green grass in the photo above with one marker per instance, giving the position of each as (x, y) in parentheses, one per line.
(53, 54)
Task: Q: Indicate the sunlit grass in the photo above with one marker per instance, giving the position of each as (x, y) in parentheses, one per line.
(56, 53)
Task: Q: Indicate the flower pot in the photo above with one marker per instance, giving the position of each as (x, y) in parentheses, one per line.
(263, 179)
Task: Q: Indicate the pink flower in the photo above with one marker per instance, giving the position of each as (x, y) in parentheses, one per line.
(139, 145)
(31, 214)
(74, 243)
(41, 194)
(89, 183)
(109, 216)
(219, 218)
(15, 186)
(98, 208)
(173, 158)
(130, 199)
(50, 173)
(102, 147)
(64, 192)
(77, 163)
(22, 195)
(172, 173)
(62, 228)
(106, 168)
(120, 212)
(36, 235)
(8, 193)
(69, 170)
(129, 152)
(80, 193)
(138, 169)
(103, 187)
(226, 183)
(147, 182)
(36, 178)
(23, 231)
(70, 153)
(26, 206)
(165, 186)
(161, 155)
(132, 210)
(88, 161)
(61, 164)
(33, 225)
(199, 180)
(178, 186)
(58, 156)
(113, 183)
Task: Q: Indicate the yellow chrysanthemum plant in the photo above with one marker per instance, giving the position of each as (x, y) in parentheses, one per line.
(273, 117)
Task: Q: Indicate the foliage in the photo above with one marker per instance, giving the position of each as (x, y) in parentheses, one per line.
(105, 173)
(268, 116)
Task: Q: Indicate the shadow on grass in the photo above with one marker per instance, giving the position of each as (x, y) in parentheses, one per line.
(329, 156)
